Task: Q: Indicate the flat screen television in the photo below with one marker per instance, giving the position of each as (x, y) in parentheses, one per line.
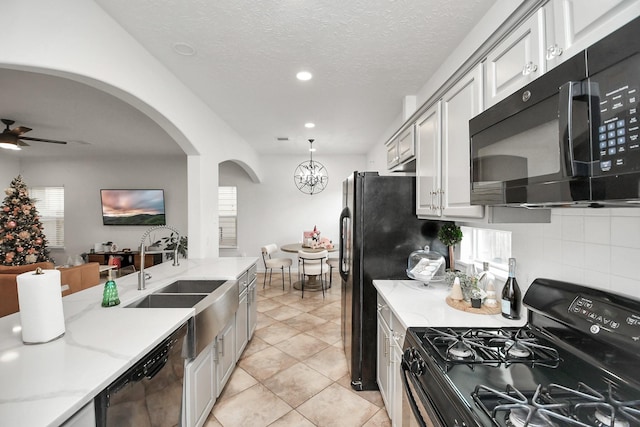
(133, 207)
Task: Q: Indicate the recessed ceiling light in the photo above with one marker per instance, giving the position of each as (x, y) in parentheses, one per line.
(185, 49)
(304, 76)
(309, 125)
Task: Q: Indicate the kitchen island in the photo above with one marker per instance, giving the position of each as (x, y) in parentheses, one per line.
(46, 384)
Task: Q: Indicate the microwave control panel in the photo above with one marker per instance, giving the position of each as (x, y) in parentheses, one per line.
(617, 136)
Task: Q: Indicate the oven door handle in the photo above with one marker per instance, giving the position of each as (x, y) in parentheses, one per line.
(410, 398)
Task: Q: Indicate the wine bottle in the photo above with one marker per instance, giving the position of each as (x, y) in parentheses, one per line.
(511, 295)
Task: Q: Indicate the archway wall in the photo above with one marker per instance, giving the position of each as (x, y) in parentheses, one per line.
(76, 39)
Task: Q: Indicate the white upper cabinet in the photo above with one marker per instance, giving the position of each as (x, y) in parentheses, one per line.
(516, 60)
(406, 146)
(442, 145)
(574, 25)
(428, 170)
(401, 150)
(462, 102)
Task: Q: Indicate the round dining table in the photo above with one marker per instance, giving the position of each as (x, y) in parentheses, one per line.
(312, 284)
(295, 247)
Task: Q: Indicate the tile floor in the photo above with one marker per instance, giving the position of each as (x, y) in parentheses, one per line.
(294, 371)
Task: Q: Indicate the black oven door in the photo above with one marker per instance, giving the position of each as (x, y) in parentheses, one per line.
(534, 146)
(417, 410)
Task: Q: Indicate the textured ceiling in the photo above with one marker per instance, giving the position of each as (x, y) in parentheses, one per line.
(365, 55)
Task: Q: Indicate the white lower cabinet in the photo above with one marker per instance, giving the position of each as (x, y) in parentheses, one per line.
(390, 340)
(200, 387)
(242, 319)
(384, 362)
(225, 355)
(395, 382)
(252, 304)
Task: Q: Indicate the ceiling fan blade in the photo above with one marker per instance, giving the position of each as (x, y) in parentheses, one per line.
(19, 130)
(22, 144)
(43, 140)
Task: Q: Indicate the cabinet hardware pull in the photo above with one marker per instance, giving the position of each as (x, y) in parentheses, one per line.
(529, 68)
(553, 51)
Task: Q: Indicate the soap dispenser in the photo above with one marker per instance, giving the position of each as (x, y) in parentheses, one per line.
(110, 294)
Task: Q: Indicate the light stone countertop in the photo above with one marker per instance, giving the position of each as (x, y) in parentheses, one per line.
(416, 305)
(45, 384)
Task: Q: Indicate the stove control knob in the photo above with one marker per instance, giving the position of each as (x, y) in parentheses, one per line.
(417, 366)
(409, 355)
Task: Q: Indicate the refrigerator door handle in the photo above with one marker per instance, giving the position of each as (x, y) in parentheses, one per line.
(345, 250)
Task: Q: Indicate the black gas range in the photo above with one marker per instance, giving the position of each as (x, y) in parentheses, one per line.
(575, 363)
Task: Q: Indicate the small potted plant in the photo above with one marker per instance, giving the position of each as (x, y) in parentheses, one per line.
(450, 235)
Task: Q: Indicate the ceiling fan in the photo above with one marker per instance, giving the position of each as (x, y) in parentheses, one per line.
(12, 139)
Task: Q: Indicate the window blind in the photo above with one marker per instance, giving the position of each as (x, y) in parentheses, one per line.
(49, 202)
(228, 217)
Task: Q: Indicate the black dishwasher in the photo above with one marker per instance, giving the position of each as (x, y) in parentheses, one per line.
(150, 393)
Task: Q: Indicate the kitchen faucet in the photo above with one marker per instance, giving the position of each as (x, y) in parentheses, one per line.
(141, 274)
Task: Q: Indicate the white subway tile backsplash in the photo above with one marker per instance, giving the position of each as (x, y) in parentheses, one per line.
(597, 258)
(625, 262)
(625, 231)
(573, 228)
(594, 247)
(573, 254)
(597, 229)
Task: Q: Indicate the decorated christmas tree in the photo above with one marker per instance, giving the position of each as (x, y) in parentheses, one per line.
(21, 238)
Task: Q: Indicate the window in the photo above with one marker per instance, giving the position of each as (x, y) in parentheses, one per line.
(228, 217)
(50, 205)
(480, 245)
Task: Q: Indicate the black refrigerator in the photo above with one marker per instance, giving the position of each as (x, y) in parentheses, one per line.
(379, 229)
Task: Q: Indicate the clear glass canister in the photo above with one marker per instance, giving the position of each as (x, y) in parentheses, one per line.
(426, 266)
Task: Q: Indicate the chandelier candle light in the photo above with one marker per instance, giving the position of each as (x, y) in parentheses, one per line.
(311, 177)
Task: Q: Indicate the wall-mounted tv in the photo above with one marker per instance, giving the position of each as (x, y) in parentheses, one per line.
(133, 207)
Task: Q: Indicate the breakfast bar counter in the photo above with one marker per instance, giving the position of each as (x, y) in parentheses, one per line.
(45, 384)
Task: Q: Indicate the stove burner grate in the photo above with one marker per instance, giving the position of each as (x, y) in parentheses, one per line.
(556, 405)
(490, 347)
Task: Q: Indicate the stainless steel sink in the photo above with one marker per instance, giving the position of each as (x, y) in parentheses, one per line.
(168, 301)
(192, 287)
(215, 303)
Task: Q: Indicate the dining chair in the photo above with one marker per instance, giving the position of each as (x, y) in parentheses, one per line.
(271, 263)
(313, 264)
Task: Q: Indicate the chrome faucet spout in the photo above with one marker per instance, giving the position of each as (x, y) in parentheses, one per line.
(142, 278)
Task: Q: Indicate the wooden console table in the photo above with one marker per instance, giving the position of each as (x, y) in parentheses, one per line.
(128, 258)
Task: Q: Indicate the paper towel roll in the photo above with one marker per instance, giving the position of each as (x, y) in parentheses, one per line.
(40, 301)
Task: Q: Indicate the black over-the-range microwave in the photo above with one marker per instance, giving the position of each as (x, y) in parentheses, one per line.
(570, 137)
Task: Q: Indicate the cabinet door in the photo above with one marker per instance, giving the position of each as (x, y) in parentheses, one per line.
(577, 24)
(459, 104)
(392, 154)
(406, 145)
(515, 61)
(428, 166)
(395, 383)
(383, 362)
(252, 299)
(200, 387)
(226, 356)
(242, 325)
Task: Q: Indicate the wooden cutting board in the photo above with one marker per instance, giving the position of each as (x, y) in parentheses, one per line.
(466, 306)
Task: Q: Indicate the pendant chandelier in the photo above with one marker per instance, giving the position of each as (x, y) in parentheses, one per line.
(311, 177)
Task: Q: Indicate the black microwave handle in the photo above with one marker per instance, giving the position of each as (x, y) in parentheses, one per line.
(569, 94)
